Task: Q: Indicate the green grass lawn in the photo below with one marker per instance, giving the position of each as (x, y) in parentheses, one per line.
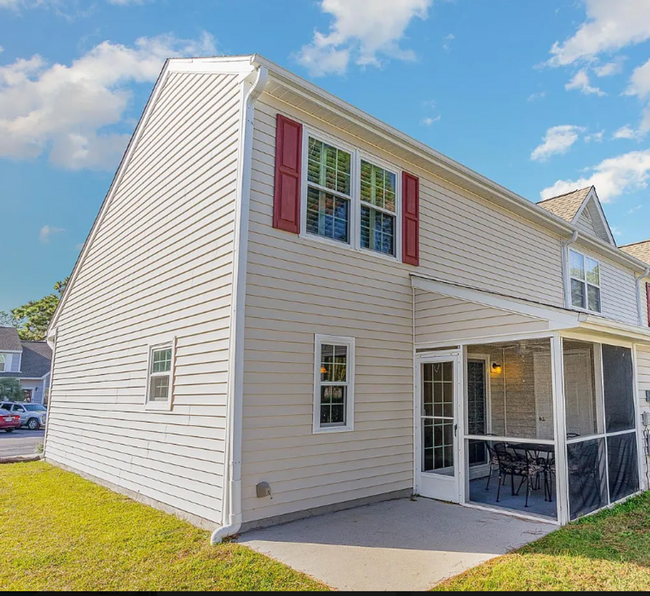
(609, 551)
(61, 532)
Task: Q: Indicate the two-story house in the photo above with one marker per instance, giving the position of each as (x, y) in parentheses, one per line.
(28, 361)
(286, 306)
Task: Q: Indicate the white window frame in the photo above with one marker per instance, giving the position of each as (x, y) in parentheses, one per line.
(3, 363)
(584, 281)
(160, 405)
(349, 342)
(355, 196)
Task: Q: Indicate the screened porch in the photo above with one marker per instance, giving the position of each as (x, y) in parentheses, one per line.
(550, 444)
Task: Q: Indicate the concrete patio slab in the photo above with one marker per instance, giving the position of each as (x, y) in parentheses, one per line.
(395, 545)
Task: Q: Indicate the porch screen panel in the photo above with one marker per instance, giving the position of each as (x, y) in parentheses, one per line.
(587, 477)
(582, 419)
(520, 387)
(618, 374)
(623, 466)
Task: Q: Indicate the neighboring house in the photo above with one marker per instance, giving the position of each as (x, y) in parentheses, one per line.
(28, 361)
(286, 306)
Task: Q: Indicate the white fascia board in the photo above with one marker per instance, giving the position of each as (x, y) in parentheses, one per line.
(216, 65)
(557, 318)
(623, 330)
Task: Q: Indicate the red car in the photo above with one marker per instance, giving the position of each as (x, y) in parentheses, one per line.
(9, 422)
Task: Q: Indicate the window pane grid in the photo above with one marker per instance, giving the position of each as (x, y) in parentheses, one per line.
(328, 215)
(378, 186)
(161, 361)
(377, 230)
(585, 282)
(329, 167)
(333, 380)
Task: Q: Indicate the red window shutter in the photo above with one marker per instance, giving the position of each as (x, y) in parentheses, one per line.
(288, 158)
(647, 291)
(410, 219)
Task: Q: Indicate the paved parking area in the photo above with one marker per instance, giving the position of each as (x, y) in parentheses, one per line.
(396, 545)
(20, 442)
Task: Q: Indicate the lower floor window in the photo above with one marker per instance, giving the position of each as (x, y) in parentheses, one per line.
(334, 385)
(159, 382)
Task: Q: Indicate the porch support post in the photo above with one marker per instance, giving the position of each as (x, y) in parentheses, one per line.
(559, 419)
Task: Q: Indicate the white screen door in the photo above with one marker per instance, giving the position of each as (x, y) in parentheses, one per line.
(437, 458)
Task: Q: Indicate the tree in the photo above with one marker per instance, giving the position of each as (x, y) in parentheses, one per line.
(32, 319)
(10, 389)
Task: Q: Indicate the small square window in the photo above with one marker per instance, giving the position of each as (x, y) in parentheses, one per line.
(334, 383)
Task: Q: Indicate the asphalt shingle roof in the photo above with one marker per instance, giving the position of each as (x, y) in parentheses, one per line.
(640, 250)
(566, 206)
(9, 339)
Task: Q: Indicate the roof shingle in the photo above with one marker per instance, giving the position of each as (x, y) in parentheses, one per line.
(566, 206)
(640, 250)
(9, 339)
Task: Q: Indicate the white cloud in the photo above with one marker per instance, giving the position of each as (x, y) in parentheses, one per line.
(627, 132)
(361, 30)
(612, 177)
(635, 209)
(610, 68)
(595, 137)
(64, 111)
(47, 232)
(430, 121)
(536, 96)
(558, 140)
(447, 39)
(610, 26)
(581, 83)
(640, 87)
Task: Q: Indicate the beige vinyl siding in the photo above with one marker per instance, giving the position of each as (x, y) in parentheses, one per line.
(643, 379)
(443, 319)
(160, 266)
(618, 290)
(585, 224)
(298, 287)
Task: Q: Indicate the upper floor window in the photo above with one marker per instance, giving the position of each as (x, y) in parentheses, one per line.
(329, 173)
(585, 282)
(351, 199)
(378, 208)
(3, 362)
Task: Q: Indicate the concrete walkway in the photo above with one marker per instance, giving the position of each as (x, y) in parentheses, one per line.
(395, 545)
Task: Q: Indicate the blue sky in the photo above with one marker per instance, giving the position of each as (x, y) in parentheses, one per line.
(542, 96)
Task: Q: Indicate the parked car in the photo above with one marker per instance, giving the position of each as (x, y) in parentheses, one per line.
(33, 416)
(9, 422)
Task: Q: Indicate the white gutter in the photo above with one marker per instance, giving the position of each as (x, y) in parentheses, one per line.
(231, 503)
(639, 296)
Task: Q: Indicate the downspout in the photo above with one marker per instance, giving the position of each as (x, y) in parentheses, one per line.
(565, 267)
(231, 505)
(639, 294)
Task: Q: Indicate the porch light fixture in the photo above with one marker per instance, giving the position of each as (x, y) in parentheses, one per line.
(497, 369)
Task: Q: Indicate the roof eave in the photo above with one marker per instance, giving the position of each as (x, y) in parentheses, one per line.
(486, 188)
